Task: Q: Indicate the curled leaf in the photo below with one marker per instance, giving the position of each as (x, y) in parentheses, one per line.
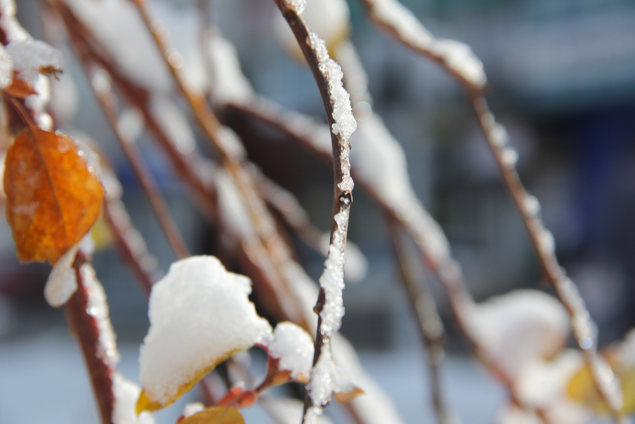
(216, 415)
(53, 194)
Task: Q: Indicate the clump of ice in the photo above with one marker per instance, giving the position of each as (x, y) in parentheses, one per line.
(233, 213)
(98, 308)
(30, 57)
(227, 80)
(297, 5)
(531, 205)
(546, 242)
(199, 313)
(460, 58)
(126, 393)
(117, 24)
(520, 327)
(294, 348)
(329, 19)
(62, 281)
(509, 157)
(380, 161)
(6, 68)
(175, 124)
(345, 123)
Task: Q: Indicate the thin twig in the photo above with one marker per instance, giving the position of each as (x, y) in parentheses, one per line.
(430, 327)
(584, 329)
(147, 181)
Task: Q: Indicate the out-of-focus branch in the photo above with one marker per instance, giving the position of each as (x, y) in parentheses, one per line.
(458, 60)
(84, 325)
(262, 221)
(429, 323)
(147, 181)
(584, 328)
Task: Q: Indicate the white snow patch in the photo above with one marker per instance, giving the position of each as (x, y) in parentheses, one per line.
(531, 206)
(6, 68)
(460, 58)
(130, 123)
(192, 408)
(521, 327)
(294, 348)
(228, 82)
(329, 19)
(62, 281)
(509, 157)
(233, 213)
(174, 123)
(126, 394)
(456, 55)
(9, 23)
(198, 313)
(30, 57)
(117, 24)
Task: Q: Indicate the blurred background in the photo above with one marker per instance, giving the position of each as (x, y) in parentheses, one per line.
(562, 80)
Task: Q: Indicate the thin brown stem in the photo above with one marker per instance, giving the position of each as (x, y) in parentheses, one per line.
(584, 329)
(147, 181)
(430, 326)
(86, 328)
(342, 182)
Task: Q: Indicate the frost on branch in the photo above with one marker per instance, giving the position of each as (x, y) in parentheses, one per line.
(329, 19)
(455, 55)
(199, 316)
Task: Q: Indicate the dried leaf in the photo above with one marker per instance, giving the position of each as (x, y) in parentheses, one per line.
(53, 195)
(216, 415)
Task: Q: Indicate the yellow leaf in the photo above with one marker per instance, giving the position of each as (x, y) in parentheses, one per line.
(144, 403)
(216, 415)
(582, 389)
(53, 195)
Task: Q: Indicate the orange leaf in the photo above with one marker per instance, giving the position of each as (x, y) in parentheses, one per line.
(20, 88)
(53, 195)
(216, 415)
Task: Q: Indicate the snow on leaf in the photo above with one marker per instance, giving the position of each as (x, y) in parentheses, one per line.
(199, 316)
(216, 415)
(621, 358)
(53, 194)
(293, 346)
(126, 393)
(62, 281)
(34, 57)
(521, 327)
